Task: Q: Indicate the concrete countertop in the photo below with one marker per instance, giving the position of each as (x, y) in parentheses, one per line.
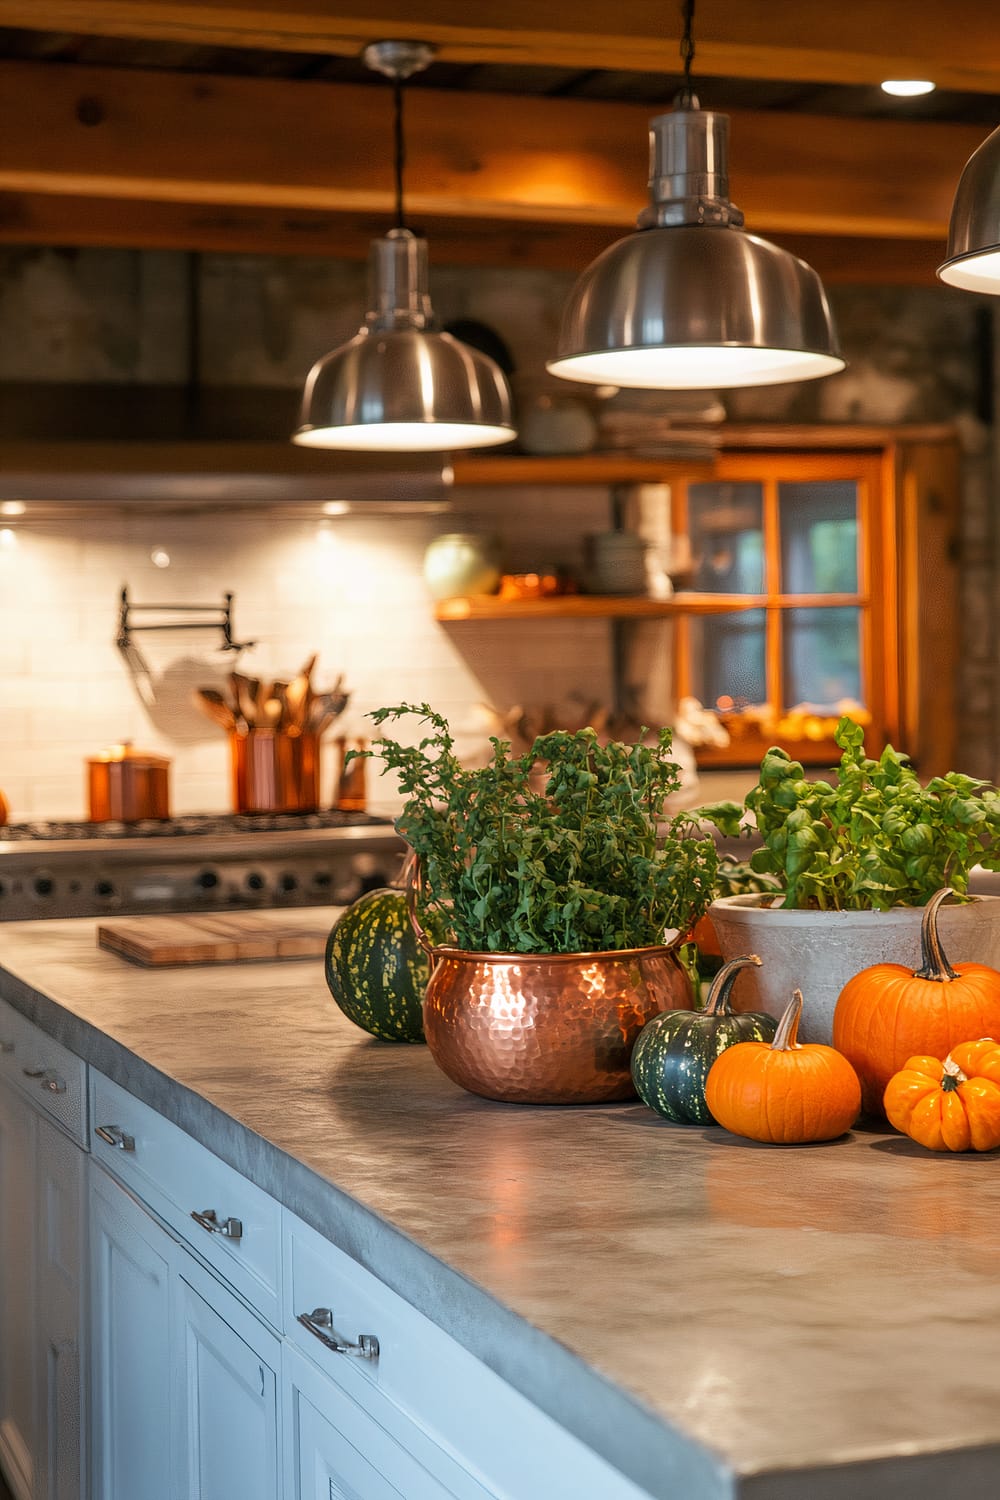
(714, 1317)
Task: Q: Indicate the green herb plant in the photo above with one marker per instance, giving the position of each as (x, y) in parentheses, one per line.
(872, 839)
(584, 863)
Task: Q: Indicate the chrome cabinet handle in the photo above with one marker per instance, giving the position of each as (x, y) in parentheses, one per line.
(33, 1072)
(115, 1136)
(53, 1083)
(231, 1228)
(320, 1324)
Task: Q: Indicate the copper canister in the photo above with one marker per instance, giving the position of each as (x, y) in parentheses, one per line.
(125, 785)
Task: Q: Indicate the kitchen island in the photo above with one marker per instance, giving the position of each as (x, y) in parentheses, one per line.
(711, 1317)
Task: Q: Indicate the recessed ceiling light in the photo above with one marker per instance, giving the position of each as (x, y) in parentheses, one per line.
(908, 88)
(13, 508)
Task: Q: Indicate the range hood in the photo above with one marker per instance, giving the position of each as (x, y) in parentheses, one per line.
(187, 476)
(185, 449)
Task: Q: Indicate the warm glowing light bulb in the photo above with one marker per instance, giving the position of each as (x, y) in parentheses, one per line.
(907, 88)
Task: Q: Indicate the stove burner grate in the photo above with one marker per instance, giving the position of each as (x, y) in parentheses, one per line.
(193, 823)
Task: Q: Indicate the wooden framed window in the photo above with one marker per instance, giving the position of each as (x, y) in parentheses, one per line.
(805, 543)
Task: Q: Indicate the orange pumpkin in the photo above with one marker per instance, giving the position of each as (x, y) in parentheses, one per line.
(950, 1105)
(785, 1092)
(888, 1013)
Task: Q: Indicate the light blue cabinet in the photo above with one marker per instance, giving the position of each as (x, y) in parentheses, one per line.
(18, 1351)
(41, 1282)
(226, 1363)
(60, 1178)
(131, 1416)
(184, 1377)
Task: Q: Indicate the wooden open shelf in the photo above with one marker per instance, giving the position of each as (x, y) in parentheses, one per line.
(582, 468)
(593, 607)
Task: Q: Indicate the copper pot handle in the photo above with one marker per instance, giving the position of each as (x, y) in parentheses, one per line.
(412, 878)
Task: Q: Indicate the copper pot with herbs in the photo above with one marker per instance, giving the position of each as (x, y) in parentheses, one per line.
(563, 903)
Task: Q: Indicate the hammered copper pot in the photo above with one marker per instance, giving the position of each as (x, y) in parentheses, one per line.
(547, 1028)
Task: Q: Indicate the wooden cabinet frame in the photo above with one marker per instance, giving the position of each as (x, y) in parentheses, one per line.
(909, 498)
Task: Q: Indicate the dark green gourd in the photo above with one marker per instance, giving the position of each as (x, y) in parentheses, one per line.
(375, 968)
(675, 1050)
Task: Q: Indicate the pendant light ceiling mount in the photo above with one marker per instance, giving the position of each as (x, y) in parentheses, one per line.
(398, 60)
(400, 385)
(690, 302)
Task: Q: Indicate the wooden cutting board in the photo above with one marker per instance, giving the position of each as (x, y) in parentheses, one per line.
(222, 938)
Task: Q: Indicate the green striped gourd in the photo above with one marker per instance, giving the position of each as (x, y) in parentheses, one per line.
(375, 968)
(675, 1050)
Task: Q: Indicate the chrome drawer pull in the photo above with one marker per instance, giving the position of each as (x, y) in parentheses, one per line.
(115, 1136)
(320, 1320)
(33, 1072)
(53, 1083)
(231, 1228)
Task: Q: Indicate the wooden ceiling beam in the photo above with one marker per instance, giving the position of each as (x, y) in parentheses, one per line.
(61, 220)
(856, 41)
(161, 137)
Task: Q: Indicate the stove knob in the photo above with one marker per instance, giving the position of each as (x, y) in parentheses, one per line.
(288, 882)
(206, 880)
(255, 881)
(44, 885)
(104, 888)
(322, 879)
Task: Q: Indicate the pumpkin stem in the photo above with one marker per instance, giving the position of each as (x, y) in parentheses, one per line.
(786, 1036)
(934, 963)
(952, 1075)
(717, 1003)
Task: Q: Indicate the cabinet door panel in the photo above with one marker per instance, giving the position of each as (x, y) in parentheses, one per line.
(344, 1452)
(18, 1291)
(130, 1335)
(229, 1402)
(60, 1185)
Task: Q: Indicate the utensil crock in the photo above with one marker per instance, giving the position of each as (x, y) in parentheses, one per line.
(274, 770)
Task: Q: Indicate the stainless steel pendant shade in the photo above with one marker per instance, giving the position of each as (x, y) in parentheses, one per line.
(690, 301)
(400, 385)
(974, 233)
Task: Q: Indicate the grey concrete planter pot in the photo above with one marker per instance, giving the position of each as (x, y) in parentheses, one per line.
(819, 951)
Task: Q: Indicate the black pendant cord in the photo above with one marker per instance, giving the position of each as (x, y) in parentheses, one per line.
(686, 98)
(399, 141)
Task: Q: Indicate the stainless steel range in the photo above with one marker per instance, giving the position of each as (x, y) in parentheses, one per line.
(200, 863)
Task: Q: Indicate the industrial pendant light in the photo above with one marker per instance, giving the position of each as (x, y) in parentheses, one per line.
(690, 301)
(400, 384)
(974, 233)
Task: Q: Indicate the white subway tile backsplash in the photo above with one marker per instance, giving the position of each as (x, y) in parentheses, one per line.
(351, 589)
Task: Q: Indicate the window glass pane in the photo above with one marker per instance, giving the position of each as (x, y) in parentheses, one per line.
(822, 657)
(727, 538)
(727, 660)
(819, 537)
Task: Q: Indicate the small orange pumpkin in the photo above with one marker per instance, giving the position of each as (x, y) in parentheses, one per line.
(952, 1105)
(784, 1093)
(888, 1013)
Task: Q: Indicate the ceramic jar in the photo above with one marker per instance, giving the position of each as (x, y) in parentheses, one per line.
(616, 563)
(461, 563)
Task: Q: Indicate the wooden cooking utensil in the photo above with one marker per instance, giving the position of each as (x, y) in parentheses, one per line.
(297, 694)
(216, 707)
